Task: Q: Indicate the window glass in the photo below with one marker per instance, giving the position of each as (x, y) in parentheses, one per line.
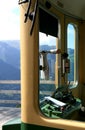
(47, 60)
(47, 44)
(72, 52)
(56, 100)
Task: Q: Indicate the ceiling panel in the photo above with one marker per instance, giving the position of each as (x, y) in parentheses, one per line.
(73, 7)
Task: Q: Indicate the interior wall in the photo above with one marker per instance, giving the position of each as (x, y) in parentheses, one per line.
(82, 60)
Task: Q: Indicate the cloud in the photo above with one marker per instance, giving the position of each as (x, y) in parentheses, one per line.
(9, 20)
(47, 40)
(71, 29)
(71, 36)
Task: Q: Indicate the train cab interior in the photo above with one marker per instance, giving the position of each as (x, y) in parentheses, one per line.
(52, 45)
(61, 75)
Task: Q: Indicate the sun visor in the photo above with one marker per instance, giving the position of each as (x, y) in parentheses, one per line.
(48, 24)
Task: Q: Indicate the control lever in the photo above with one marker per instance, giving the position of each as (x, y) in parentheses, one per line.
(27, 14)
(33, 16)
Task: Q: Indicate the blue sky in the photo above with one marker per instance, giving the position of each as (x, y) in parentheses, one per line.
(9, 20)
(71, 36)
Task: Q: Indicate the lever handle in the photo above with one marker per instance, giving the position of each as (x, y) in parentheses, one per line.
(27, 14)
(34, 16)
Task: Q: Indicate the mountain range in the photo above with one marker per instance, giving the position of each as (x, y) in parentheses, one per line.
(10, 59)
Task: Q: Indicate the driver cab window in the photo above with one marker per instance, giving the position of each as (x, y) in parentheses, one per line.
(55, 100)
(72, 46)
(48, 40)
(47, 57)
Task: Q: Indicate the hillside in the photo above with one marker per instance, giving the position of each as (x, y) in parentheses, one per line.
(8, 72)
(9, 60)
(9, 53)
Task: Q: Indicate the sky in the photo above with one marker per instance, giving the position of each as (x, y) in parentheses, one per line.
(48, 40)
(71, 36)
(10, 24)
(9, 20)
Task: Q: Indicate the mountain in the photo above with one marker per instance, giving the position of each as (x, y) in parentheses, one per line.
(71, 57)
(8, 72)
(10, 54)
(12, 43)
(9, 60)
(46, 47)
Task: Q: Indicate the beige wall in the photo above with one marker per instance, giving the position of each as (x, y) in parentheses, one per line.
(82, 60)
